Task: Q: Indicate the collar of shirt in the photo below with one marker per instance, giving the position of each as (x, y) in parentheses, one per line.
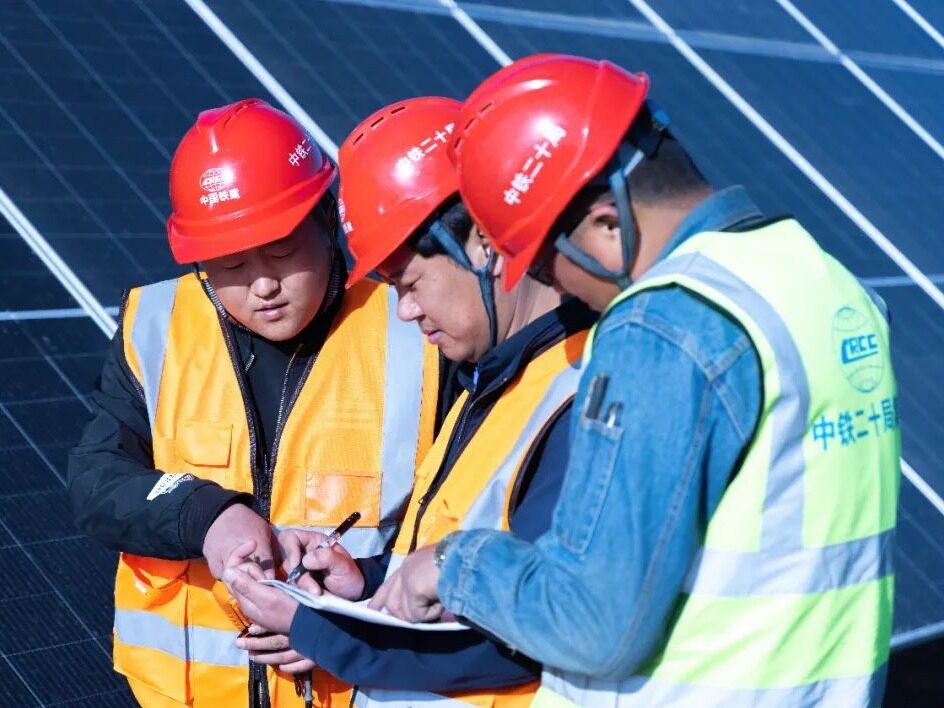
(724, 210)
(507, 358)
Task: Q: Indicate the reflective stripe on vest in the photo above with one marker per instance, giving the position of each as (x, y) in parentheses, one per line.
(359, 542)
(151, 631)
(149, 337)
(489, 509)
(401, 425)
(789, 600)
(652, 692)
(402, 699)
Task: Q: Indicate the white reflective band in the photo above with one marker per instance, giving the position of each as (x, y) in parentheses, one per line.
(790, 571)
(402, 407)
(359, 542)
(376, 697)
(487, 511)
(151, 631)
(149, 337)
(645, 692)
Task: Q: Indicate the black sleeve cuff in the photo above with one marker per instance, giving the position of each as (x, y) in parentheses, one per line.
(305, 631)
(199, 511)
(374, 570)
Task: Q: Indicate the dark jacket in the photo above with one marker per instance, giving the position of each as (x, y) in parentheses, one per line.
(111, 470)
(369, 655)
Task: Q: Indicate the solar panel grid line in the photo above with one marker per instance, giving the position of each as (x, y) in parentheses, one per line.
(184, 52)
(69, 187)
(920, 20)
(38, 568)
(50, 314)
(480, 35)
(57, 266)
(393, 66)
(640, 30)
(16, 672)
(899, 281)
(866, 80)
(315, 75)
(342, 56)
(262, 74)
(82, 128)
(91, 71)
(921, 484)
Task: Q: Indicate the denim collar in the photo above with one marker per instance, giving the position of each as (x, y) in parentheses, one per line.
(723, 210)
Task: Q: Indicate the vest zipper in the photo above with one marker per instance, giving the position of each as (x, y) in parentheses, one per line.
(258, 684)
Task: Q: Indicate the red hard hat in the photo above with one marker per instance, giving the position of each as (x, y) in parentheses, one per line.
(244, 175)
(531, 137)
(394, 174)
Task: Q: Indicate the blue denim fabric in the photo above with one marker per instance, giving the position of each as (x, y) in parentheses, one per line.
(594, 595)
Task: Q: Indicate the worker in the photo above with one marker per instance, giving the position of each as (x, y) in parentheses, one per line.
(499, 459)
(249, 394)
(725, 526)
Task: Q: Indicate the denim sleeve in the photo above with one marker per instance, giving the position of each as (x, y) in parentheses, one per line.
(594, 594)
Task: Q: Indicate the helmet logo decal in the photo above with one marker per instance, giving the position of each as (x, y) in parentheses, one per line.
(346, 226)
(522, 180)
(427, 145)
(216, 183)
(300, 152)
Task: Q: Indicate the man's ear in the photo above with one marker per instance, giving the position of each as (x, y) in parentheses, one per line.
(498, 265)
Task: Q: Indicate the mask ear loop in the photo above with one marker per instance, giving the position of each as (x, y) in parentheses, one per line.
(450, 243)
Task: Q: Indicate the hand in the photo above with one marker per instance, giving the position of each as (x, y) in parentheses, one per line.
(338, 572)
(266, 606)
(274, 650)
(236, 525)
(410, 593)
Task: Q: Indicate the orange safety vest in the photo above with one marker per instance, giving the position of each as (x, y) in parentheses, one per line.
(479, 490)
(363, 418)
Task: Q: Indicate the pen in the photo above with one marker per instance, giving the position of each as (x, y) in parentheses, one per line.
(329, 541)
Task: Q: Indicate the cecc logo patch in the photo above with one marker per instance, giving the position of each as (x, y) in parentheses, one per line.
(858, 349)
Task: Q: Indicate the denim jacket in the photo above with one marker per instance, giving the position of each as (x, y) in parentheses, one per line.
(594, 594)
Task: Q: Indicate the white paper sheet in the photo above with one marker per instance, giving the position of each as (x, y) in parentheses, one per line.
(358, 610)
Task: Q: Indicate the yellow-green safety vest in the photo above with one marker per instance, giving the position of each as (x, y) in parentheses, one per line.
(788, 602)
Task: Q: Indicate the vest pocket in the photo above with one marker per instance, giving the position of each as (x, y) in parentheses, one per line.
(201, 448)
(332, 497)
(204, 444)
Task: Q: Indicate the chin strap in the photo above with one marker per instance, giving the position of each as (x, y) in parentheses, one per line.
(632, 150)
(448, 240)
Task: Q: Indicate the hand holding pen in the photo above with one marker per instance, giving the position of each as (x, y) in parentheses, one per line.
(328, 542)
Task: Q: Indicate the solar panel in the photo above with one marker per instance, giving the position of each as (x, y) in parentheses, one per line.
(94, 96)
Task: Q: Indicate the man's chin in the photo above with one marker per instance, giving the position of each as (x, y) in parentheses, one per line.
(279, 331)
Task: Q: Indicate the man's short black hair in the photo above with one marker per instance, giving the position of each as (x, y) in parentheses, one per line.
(669, 174)
(454, 216)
